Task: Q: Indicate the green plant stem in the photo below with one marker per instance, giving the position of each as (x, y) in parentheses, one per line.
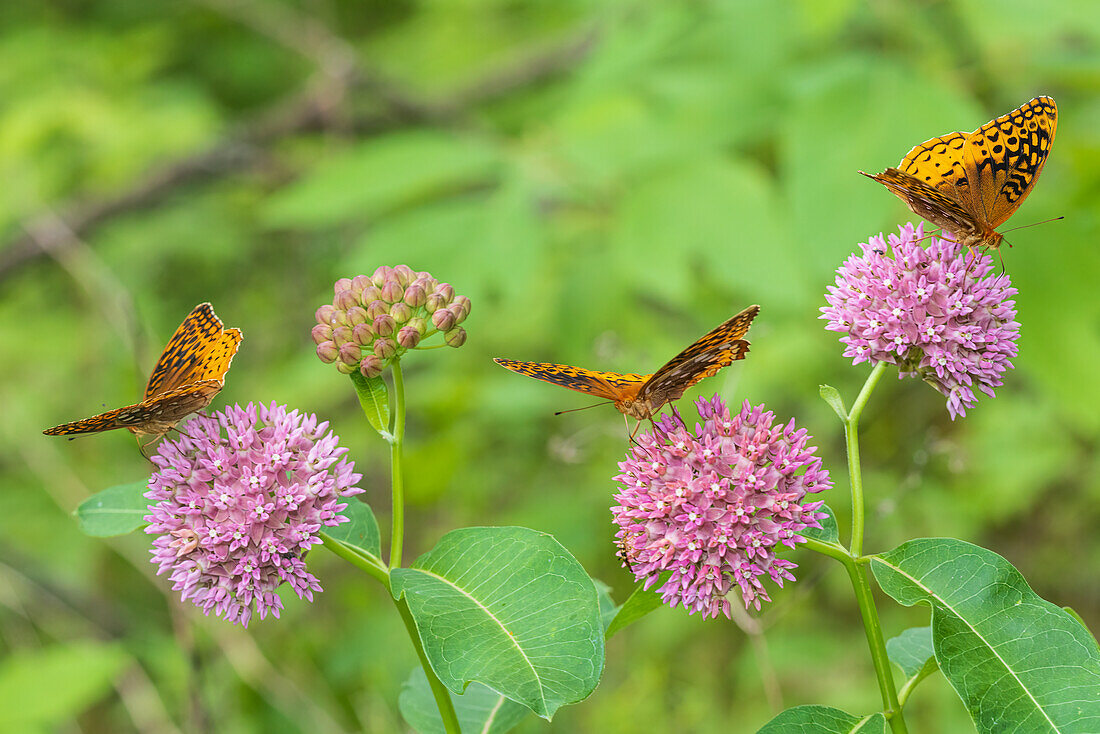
(877, 644)
(370, 564)
(397, 487)
(442, 695)
(855, 473)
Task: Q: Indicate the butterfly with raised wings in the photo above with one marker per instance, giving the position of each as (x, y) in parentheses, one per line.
(189, 373)
(643, 396)
(968, 184)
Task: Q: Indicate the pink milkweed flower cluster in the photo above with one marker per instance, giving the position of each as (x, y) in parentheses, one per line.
(712, 507)
(237, 501)
(933, 312)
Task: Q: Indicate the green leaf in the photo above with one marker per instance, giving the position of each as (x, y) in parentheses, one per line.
(47, 688)
(380, 175)
(1010, 655)
(479, 709)
(114, 511)
(911, 650)
(1073, 613)
(511, 608)
(829, 533)
(608, 610)
(641, 602)
(823, 720)
(831, 396)
(374, 398)
(361, 533)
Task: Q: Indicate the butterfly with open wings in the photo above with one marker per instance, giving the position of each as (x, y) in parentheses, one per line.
(643, 396)
(189, 373)
(970, 183)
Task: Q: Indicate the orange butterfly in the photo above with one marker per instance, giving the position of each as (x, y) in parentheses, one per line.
(643, 396)
(970, 183)
(188, 375)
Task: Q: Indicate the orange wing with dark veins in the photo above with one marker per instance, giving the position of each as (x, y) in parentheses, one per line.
(607, 385)
(199, 350)
(971, 183)
(718, 348)
(189, 373)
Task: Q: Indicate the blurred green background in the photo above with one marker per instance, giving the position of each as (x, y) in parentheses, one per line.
(606, 181)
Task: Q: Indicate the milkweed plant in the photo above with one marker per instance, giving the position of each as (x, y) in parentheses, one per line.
(710, 508)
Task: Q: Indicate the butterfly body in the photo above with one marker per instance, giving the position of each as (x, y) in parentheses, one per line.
(971, 183)
(189, 373)
(642, 396)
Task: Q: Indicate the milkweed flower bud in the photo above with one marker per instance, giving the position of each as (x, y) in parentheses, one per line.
(456, 337)
(934, 312)
(381, 275)
(357, 315)
(415, 296)
(238, 500)
(371, 366)
(408, 337)
(375, 319)
(341, 335)
(328, 351)
(384, 325)
(712, 507)
(404, 274)
(392, 292)
(350, 354)
(443, 319)
(377, 308)
(446, 291)
(385, 347)
(362, 334)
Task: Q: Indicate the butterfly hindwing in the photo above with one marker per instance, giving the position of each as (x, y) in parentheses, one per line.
(716, 349)
(927, 202)
(607, 385)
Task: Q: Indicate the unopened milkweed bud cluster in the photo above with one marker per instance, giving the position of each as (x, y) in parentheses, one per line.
(374, 319)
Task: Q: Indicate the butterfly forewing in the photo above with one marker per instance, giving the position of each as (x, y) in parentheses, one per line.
(189, 373)
(199, 350)
(718, 348)
(1005, 156)
(607, 385)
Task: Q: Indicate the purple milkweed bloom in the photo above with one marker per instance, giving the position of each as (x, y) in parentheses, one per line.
(713, 506)
(237, 501)
(934, 312)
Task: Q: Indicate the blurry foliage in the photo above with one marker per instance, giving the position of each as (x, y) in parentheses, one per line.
(676, 163)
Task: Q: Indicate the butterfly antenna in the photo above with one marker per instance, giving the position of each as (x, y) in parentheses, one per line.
(1025, 226)
(574, 410)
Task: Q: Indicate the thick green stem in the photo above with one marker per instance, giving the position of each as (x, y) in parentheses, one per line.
(855, 473)
(397, 487)
(442, 695)
(363, 562)
(877, 643)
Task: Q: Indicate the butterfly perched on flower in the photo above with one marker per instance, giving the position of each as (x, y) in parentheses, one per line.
(643, 396)
(970, 183)
(189, 373)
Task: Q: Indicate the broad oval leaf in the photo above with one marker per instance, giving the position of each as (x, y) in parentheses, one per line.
(911, 650)
(374, 398)
(361, 532)
(1010, 655)
(114, 511)
(479, 709)
(823, 720)
(511, 608)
